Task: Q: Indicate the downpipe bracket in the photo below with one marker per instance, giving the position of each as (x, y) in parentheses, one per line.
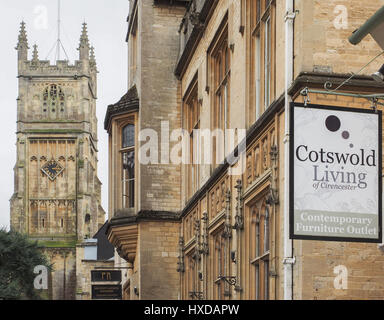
(291, 15)
(290, 261)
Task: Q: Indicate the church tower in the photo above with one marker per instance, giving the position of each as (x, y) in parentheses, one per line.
(57, 193)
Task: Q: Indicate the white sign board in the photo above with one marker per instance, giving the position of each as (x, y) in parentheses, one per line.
(335, 174)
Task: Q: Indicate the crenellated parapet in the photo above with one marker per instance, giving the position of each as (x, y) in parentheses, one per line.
(61, 68)
(36, 67)
(85, 66)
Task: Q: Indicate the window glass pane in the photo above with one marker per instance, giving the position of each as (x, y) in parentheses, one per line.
(225, 111)
(258, 76)
(267, 63)
(220, 71)
(128, 179)
(266, 280)
(257, 239)
(257, 284)
(258, 10)
(226, 59)
(266, 230)
(129, 136)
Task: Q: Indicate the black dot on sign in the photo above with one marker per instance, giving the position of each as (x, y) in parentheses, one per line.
(345, 134)
(333, 123)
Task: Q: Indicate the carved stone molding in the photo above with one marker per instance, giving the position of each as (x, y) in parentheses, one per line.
(180, 262)
(197, 255)
(273, 197)
(227, 233)
(239, 218)
(204, 244)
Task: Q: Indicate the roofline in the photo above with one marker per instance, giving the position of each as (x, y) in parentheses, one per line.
(367, 27)
(106, 222)
(131, 105)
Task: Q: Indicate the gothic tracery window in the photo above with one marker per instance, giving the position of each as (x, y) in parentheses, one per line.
(53, 99)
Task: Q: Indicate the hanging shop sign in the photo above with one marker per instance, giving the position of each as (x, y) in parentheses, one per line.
(106, 292)
(335, 173)
(106, 275)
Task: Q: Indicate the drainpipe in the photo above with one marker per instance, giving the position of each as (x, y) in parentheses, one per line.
(288, 260)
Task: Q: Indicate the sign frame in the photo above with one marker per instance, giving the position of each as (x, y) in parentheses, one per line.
(116, 287)
(95, 278)
(291, 173)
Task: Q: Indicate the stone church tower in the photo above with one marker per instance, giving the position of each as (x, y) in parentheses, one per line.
(57, 196)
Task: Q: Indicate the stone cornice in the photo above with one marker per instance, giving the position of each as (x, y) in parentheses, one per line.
(129, 218)
(124, 217)
(122, 230)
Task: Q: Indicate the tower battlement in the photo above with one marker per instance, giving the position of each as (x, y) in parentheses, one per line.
(61, 68)
(85, 66)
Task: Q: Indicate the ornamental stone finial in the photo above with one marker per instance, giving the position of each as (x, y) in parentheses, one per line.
(22, 44)
(84, 43)
(92, 58)
(35, 54)
(23, 40)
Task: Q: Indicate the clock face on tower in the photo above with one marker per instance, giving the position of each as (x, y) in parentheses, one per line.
(52, 169)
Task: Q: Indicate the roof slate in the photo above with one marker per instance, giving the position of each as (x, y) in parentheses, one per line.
(128, 103)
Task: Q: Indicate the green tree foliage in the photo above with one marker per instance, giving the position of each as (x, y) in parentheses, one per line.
(18, 258)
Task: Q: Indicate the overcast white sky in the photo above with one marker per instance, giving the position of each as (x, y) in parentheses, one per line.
(107, 28)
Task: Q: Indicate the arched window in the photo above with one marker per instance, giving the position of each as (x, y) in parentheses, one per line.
(53, 99)
(128, 166)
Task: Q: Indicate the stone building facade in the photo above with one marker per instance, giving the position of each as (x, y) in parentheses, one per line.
(144, 199)
(204, 231)
(57, 196)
